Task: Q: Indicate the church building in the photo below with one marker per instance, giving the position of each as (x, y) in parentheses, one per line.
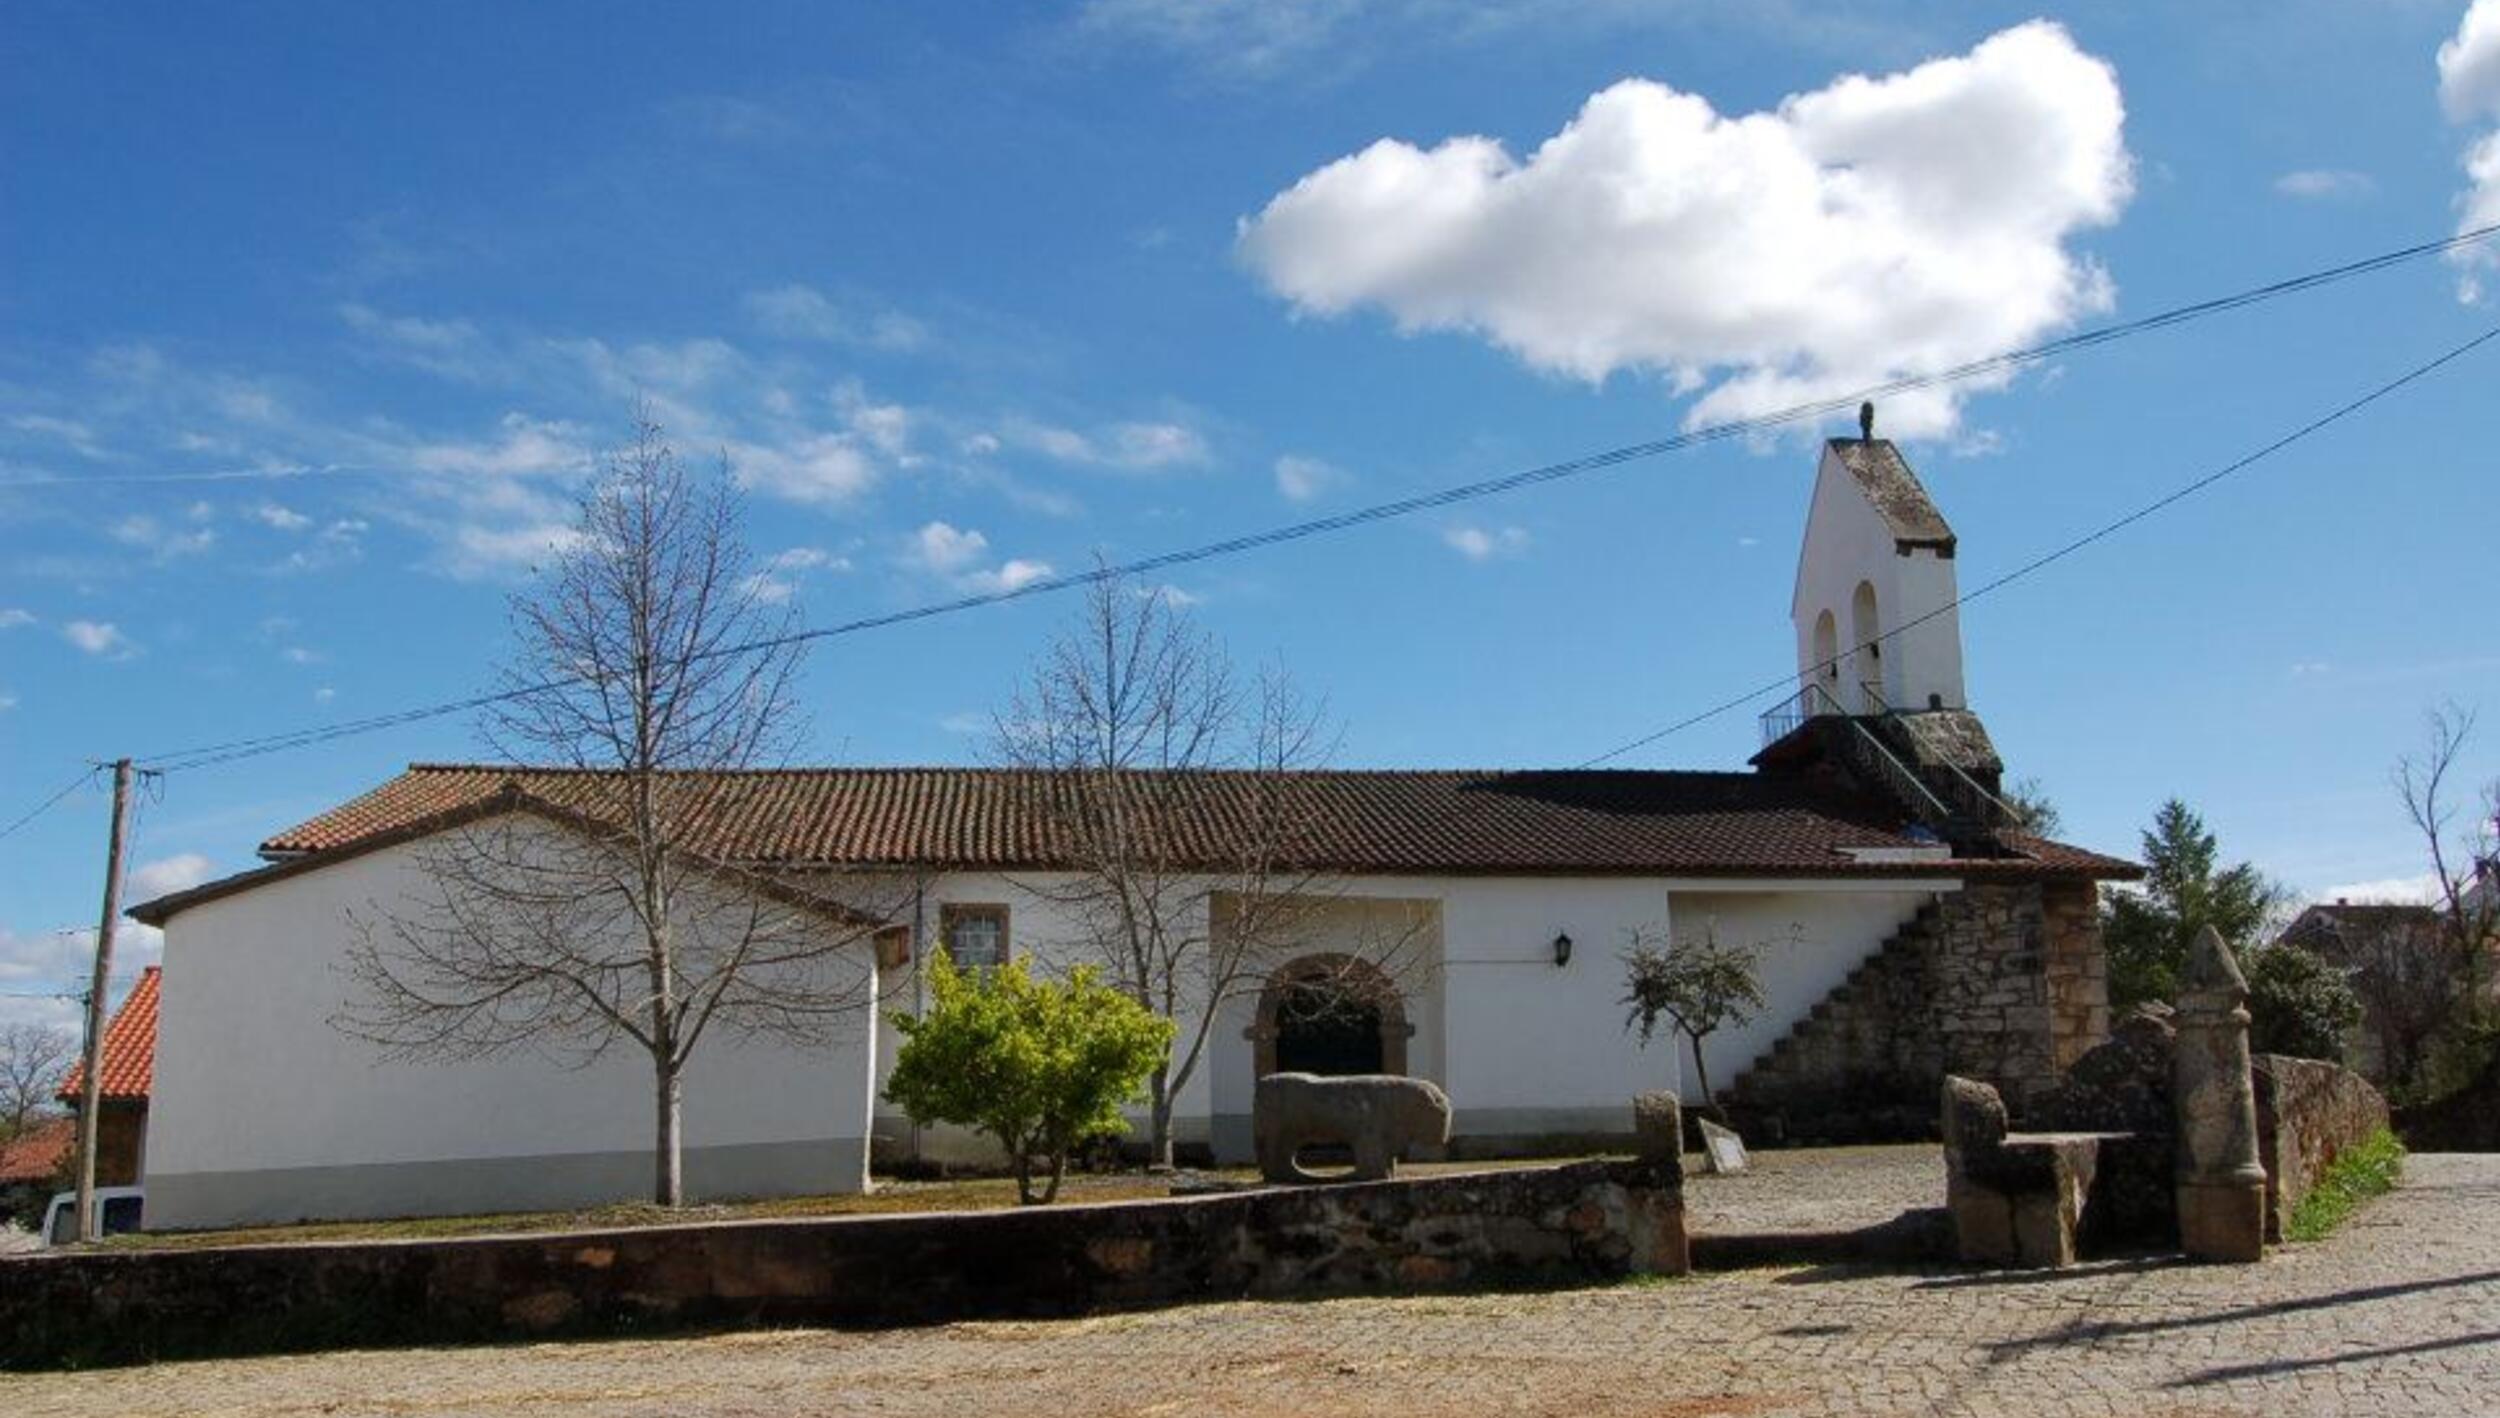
(1461, 926)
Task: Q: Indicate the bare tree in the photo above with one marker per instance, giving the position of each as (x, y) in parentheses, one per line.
(2466, 886)
(34, 1059)
(582, 911)
(1133, 724)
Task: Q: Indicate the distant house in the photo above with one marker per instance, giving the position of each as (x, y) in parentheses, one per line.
(129, 1077)
(31, 1165)
(2380, 945)
(1908, 925)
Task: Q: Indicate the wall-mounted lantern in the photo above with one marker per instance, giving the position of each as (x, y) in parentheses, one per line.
(1562, 949)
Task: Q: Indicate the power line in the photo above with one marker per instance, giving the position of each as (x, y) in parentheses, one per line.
(2107, 529)
(202, 756)
(85, 775)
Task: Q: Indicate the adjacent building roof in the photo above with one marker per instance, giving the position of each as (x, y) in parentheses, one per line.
(36, 1154)
(129, 1070)
(1427, 823)
(1896, 493)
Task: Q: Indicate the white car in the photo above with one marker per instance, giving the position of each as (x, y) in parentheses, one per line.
(120, 1207)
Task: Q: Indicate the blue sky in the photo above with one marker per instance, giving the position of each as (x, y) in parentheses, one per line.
(967, 291)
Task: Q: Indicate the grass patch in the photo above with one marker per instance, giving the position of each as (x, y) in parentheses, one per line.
(2361, 1173)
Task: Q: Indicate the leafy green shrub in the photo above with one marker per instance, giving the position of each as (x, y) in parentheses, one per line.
(2363, 1171)
(1040, 1065)
(2298, 1004)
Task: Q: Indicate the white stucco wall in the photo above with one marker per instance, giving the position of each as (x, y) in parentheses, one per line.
(1809, 941)
(1523, 1048)
(264, 1111)
(1846, 543)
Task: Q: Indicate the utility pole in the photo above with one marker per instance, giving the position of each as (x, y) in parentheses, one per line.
(91, 1072)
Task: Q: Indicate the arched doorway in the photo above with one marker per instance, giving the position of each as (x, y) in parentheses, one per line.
(1330, 1014)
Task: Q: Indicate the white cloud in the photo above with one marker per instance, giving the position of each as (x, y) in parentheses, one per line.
(8, 700)
(946, 549)
(1483, 544)
(802, 312)
(450, 348)
(300, 655)
(1300, 479)
(824, 468)
(285, 519)
(42, 973)
(2469, 89)
(782, 573)
(957, 553)
(2386, 890)
(324, 694)
(11, 617)
(886, 427)
(1013, 575)
(1129, 447)
(484, 552)
(1875, 227)
(526, 447)
(78, 436)
(99, 637)
(168, 875)
(162, 542)
(2319, 184)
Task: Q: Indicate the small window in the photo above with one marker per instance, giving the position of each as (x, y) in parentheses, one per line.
(976, 936)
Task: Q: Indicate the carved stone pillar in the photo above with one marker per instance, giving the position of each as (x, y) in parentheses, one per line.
(2222, 1187)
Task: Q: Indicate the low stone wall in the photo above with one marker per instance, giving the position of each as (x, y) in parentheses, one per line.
(2308, 1112)
(1579, 1222)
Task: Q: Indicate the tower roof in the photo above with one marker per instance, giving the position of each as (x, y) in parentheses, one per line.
(1894, 491)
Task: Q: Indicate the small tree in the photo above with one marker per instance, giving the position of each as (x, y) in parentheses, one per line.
(34, 1058)
(1040, 1065)
(1696, 983)
(2147, 931)
(2298, 1004)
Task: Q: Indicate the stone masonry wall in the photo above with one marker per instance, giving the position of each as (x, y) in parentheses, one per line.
(1576, 1222)
(2006, 984)
(2308, 1112)
(2077, 969)
(1993, 1013)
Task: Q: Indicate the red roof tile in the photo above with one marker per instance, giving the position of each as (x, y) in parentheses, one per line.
(129, 1047)
(1422, 822)
(37, 1153)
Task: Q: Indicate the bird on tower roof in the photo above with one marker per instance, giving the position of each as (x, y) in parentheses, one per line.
(1866, 421)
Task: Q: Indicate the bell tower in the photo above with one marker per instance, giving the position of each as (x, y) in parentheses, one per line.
(1873, 609)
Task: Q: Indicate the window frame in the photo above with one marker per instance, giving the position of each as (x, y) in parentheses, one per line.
(952, 912)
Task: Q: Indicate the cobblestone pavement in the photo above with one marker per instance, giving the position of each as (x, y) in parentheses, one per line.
(2399, 1313)
(1815, 1189)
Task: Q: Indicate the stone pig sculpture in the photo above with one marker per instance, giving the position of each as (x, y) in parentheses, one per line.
(1379, 1116)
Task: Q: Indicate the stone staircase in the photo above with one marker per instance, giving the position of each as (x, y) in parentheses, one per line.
(1857, 1067)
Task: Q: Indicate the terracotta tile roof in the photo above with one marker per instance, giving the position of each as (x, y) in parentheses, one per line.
(129, 1047)
(1429, 822)
(37, 1153)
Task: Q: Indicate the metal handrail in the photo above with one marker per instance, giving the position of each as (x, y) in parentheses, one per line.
(1901, 774)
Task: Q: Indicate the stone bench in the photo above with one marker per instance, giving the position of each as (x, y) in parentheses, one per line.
(2016, 1198)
